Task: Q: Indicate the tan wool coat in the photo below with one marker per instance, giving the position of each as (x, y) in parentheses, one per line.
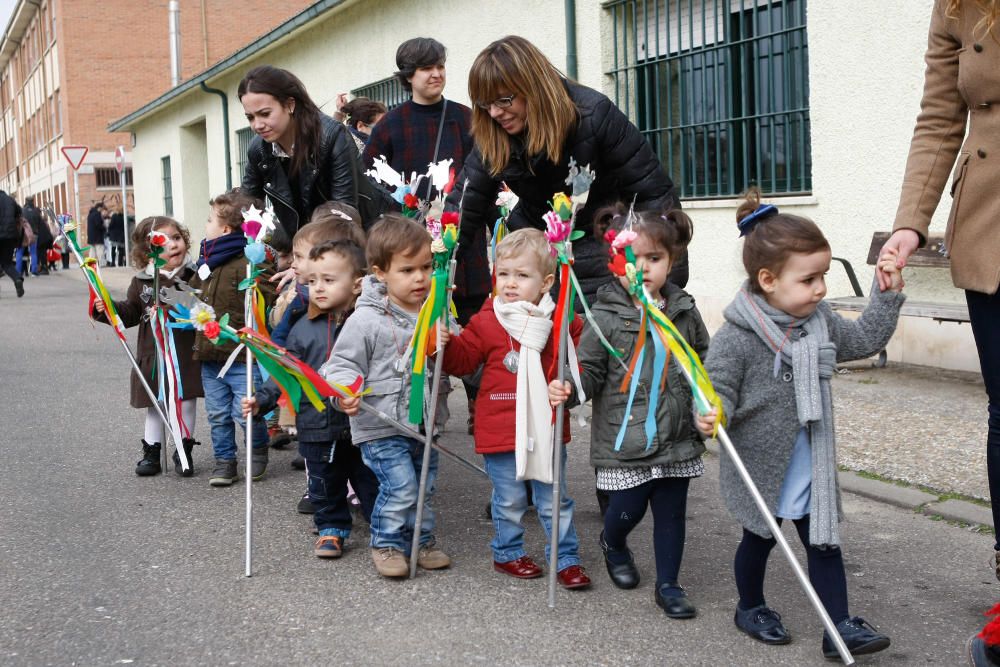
(961, 88)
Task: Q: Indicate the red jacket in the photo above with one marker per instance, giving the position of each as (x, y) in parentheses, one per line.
(485, 341)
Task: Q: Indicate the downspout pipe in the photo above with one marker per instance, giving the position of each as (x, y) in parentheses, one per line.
(225, 131)
(571, 39)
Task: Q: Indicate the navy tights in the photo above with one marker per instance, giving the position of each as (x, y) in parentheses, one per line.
(826, 571)
(667, 497)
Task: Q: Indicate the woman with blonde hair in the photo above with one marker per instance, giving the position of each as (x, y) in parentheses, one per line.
(962, 91)
(528, 121)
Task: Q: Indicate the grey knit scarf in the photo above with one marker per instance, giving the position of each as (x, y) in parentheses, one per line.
(805, 346)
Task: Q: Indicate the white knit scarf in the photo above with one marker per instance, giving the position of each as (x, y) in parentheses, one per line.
(530, 325)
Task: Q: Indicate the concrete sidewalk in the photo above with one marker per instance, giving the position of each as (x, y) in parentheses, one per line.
(915, 434)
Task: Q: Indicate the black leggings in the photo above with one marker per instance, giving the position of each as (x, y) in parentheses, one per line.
(826, 571)
(667, 497)
(984, 313)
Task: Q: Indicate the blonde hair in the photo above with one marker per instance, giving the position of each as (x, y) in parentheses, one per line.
(989, 8)
(514, 66)
(528, 240)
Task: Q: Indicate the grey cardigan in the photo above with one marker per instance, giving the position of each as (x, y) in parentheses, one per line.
(370, 343)
(763, 422)
(676, 438)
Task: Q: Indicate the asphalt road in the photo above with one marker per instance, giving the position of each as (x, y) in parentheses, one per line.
(100, 567)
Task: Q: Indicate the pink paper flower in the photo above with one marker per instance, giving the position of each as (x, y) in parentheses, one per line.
(557, 231)
(623, 238)
(251, 228)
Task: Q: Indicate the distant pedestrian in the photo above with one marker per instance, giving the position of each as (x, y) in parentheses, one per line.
(10, 239)
(771, 363)
(116, 236)
(95, 230)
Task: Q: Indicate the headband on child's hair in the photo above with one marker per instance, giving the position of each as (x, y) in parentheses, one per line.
(748, 223)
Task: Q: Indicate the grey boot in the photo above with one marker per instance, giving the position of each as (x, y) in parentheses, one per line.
(258, 463)
(224, 473)
(150, 463)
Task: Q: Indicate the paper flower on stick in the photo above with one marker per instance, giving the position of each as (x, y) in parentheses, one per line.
(158, 239)
(157, 243)
(201, 314)
(212, 330)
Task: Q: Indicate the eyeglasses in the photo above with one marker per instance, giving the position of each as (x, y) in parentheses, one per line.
(499, 103)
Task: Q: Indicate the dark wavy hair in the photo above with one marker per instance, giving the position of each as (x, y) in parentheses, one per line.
(139, 253)
(416, 53)
(362, 109)
(282, 85)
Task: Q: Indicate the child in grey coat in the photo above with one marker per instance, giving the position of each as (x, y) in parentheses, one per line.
(373, 344)
(771, 363)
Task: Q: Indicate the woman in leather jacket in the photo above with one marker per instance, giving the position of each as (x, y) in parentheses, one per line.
(300, 157)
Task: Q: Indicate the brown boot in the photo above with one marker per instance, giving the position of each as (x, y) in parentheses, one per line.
(472, 416)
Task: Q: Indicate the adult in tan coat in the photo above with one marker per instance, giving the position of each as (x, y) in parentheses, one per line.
(962, 90)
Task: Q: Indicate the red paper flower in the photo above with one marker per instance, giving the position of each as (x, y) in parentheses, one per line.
(449, 218)
(451, 181)
(617, 265)
(158, 239)
(410, 200)
(610, 235)
(212, 330)
(991, 633)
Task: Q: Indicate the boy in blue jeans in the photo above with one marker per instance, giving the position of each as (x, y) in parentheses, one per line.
(373, 344)
(221, 267)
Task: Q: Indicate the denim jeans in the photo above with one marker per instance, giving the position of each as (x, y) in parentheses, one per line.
(328, 470)
(19, 259)
(510, 502)
(984, 315)
(222, 405)
(396, 462)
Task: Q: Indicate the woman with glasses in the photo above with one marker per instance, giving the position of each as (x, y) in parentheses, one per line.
(528, 121)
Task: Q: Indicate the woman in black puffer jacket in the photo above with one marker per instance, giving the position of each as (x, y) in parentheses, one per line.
(300, 157)
(527, 122)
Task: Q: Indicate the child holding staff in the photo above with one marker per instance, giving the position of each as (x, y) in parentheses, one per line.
(771, 363)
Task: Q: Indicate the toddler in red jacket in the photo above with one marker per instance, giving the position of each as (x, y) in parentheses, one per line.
(510, 338)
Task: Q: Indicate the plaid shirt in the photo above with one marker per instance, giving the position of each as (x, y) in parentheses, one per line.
(407, 134)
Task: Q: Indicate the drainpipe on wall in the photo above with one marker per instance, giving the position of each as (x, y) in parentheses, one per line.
(571, 39)
(225, 131)
(174, 23)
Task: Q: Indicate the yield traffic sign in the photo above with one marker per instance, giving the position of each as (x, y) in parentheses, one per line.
(75, 155)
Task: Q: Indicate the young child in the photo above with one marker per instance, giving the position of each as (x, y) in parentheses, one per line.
(333, 272)
(373, 344)
(510, 338)
(331, 221)
(635, 471)
(771, 363)
(134, 310)
(221, 267)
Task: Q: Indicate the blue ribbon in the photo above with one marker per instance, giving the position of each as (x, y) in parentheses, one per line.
(659, 366)
(749, 222)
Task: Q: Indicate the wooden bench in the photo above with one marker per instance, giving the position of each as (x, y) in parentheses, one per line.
(930, 256)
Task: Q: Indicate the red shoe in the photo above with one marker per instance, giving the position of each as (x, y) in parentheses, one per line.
(572, 577)
(522, 568)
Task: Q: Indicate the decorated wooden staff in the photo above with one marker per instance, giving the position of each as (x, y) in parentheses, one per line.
(432, 316)
(705, 399)
(99, 292)
(560, 235)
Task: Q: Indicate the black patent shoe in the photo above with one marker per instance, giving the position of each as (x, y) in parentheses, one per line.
(859, 635)
(675, 606)
(623, 575)
(763, 624)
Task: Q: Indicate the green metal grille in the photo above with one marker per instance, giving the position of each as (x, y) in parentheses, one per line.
(168, 188)
(388, 91)
(243, 137)
(720, 88)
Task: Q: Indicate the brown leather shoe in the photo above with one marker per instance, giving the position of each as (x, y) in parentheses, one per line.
(573, 577)
(522, 568)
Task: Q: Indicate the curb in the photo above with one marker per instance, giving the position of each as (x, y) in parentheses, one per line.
(906, 497)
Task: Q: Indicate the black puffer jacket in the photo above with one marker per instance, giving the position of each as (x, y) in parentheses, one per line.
(605, 139)
(10, 227)
(330, 174)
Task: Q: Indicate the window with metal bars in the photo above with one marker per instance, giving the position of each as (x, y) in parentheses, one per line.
(108, 177)
(243, 138)
(168, 189)
(388, 91)
(720, 88)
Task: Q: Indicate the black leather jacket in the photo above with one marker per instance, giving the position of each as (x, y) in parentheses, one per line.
(329, 175)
